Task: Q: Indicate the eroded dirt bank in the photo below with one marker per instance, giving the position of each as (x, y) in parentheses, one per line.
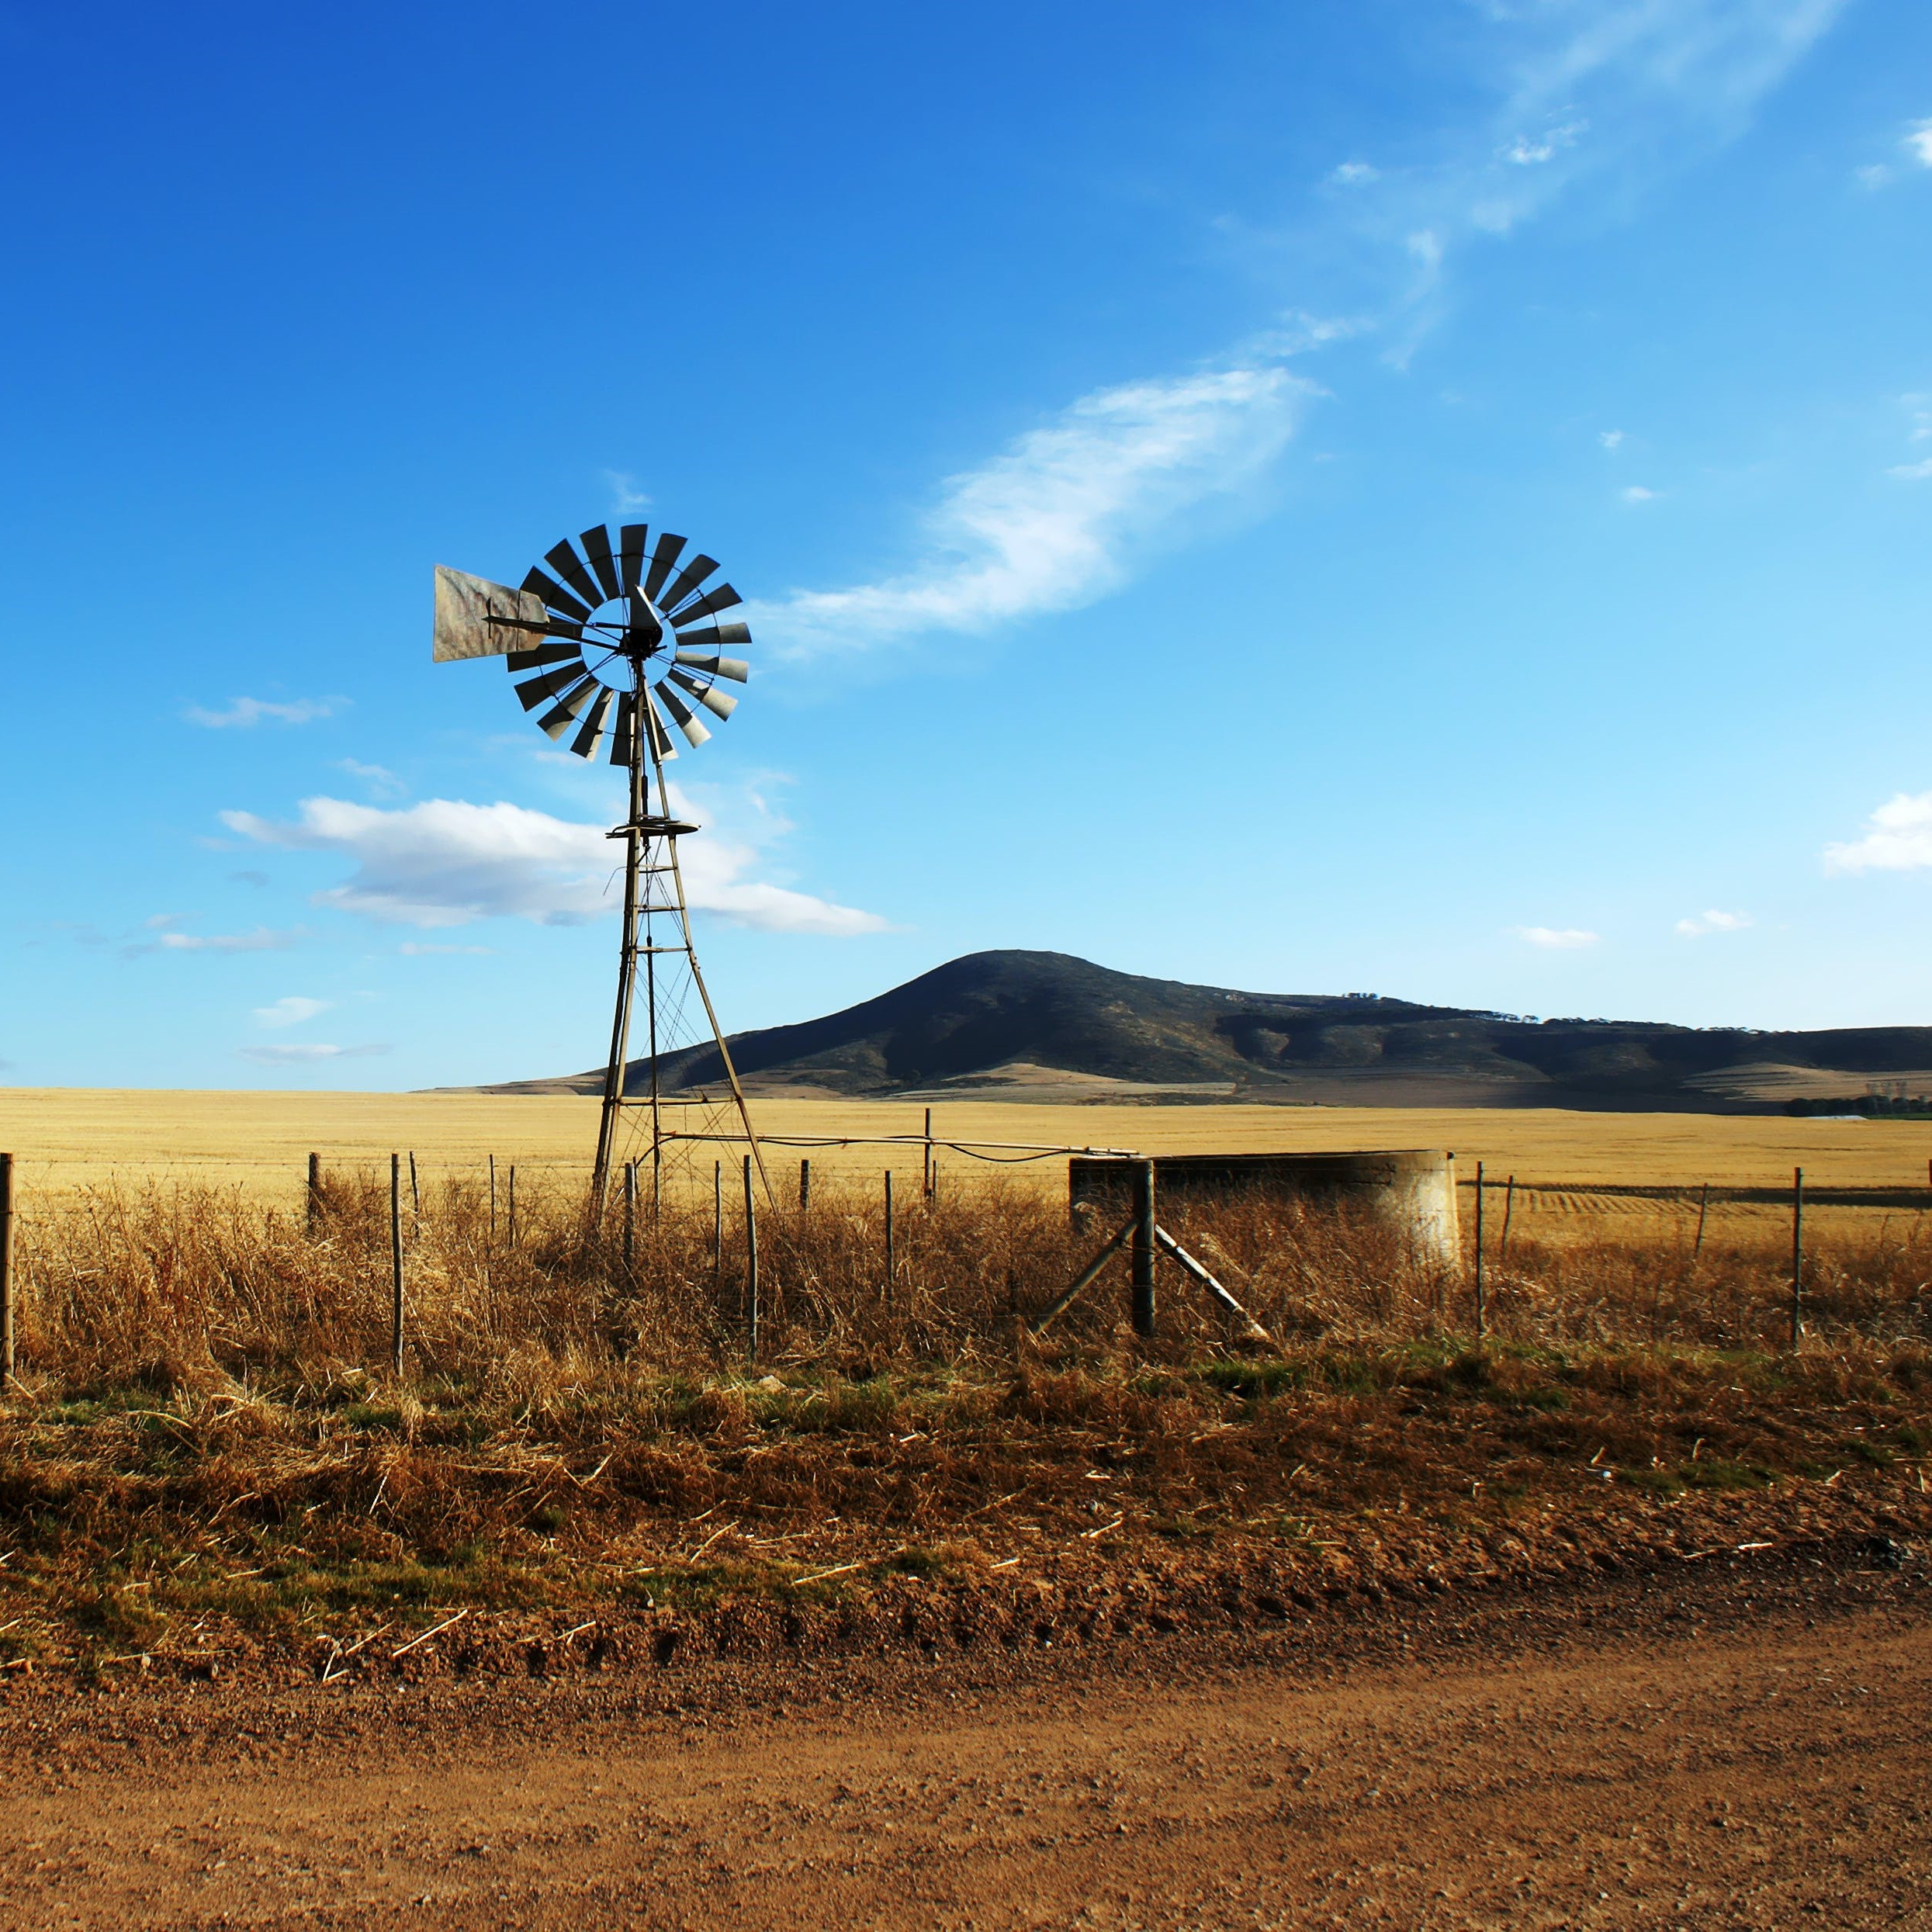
(1737, 1744)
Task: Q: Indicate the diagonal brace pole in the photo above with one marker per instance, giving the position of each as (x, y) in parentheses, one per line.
(1085, 1278)
(1169, 1245)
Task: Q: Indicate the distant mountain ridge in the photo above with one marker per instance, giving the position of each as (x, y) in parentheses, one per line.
(1047, 1025)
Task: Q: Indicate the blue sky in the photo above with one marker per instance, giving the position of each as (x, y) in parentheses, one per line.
(1427, 496)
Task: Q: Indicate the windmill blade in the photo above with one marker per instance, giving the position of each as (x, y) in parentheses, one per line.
(734, 668)
(477, 618)
(596, 547)
(555, 722)
(554, 594)
(544, 654)
(715, 701)
(584, 743)
(621, 733)
(683, 716)
(532, 694)
(566, 561)
(662, 559)
(717, 634)
(687, 580)
(630, 555)
(720, 599)
(660, 738)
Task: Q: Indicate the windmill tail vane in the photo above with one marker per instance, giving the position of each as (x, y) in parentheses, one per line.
(615, 647)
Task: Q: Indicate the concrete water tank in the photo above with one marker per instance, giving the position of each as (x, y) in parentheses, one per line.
(1412, 1187)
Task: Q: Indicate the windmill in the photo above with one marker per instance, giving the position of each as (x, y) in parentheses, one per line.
(619, 645)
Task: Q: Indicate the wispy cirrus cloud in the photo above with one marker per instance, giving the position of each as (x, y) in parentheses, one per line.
(447, 863)
(304, 1054)
(1897, 838)
(262, 940)
(1066, 513)
(291, 1010)
(1058, 518)
(244, 713)
(381, 782)
(1556, 939)
(1713, 922)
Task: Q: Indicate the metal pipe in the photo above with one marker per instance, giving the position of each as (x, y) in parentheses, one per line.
(627, 954)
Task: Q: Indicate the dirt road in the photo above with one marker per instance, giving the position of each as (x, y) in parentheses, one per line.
(1731, 1748)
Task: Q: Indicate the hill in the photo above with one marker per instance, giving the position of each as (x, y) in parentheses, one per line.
(1047, 1025)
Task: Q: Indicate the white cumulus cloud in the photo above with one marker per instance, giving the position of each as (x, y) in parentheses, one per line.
(1918, 142)
(1555, 939)
(291, 1010)
(1912, 473)
(1636, 493)
(1897, 838)
(1060, 517)
(246, 712)
(444, 862)
(1713, 922)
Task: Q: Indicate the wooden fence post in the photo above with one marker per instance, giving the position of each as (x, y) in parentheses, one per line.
(1797, 1254)
(315, 1193)
(1703, 1202)
(717, 1221)
(890, 1268)
(395, 1261)
(751, 1265)
(926, 1179)
(513, 1203)
(415, 1192)
(492, 1197)
(1509, 1203)
(805, 1188)
(1143, 1253)
(1479, 1311)
(6, 1270)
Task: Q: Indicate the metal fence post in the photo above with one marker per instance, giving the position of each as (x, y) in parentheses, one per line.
(395, 1261)
(751, 1265)
(1480, 1310)
(6, 1269)
(1143, 1255)
(1797, 1254)
(630, 1219)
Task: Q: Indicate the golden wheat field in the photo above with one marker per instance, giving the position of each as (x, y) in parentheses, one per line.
(66, 1138)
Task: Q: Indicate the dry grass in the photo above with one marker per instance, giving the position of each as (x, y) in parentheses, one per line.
(205, 1436)
(68, 1138)
(193, 1285)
